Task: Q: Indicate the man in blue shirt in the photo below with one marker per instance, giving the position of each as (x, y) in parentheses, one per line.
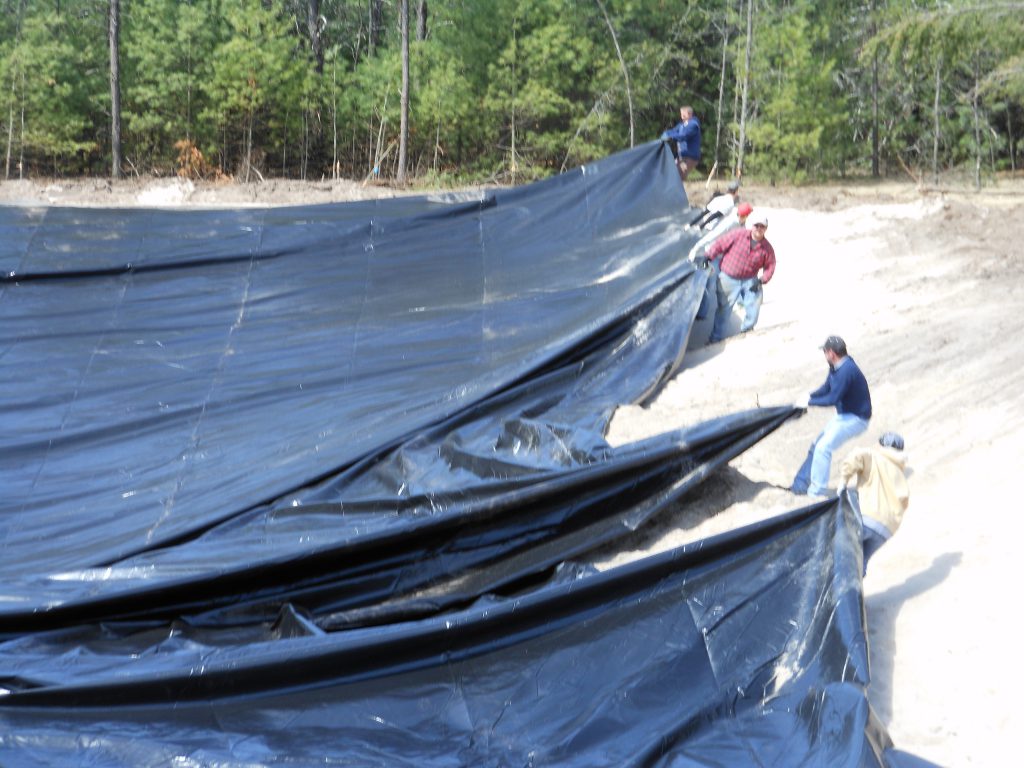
(686, 135)
(846, 389)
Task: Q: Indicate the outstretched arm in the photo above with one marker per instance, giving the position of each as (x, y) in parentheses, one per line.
(855, 465)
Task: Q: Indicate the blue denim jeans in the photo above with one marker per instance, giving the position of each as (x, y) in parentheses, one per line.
(812, 476)
(730, 290)
(708, 297)
(871, 541)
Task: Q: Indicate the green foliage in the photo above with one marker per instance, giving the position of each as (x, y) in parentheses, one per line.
(1007, 79)
(50, 88)
(951, 68)
(169, 49)
(515, 89)
(538, 87)
(259, 77)
(796, 101)
(445, 108)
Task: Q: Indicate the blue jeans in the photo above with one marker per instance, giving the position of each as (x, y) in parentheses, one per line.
(871, 541)
(731, 290)
(709, 290)
(812, 476)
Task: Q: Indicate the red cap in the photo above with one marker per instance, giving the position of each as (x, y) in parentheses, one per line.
(744, 209)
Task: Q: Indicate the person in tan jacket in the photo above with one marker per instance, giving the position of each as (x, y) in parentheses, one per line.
(879, 474)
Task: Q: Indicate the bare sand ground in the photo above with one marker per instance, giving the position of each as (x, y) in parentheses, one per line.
(927, 288)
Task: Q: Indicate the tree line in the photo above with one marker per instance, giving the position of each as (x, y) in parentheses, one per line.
(456, 91)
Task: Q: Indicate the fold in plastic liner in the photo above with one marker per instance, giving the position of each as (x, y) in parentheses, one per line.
(317, 485)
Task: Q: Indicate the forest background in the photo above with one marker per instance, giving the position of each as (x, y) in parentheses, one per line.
(445, 92)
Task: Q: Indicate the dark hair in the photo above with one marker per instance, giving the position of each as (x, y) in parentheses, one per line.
(836, 344)
(891, 440)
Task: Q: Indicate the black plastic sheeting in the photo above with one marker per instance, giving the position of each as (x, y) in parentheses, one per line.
(302, 485)
(743, 650)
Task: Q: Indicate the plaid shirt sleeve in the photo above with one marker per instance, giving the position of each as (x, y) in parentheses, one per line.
(724, 243)
(769, 261)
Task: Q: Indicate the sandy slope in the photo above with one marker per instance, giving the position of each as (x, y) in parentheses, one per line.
(928, 294)
(927, 290)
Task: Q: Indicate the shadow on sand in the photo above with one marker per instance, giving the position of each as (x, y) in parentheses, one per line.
(882, 610)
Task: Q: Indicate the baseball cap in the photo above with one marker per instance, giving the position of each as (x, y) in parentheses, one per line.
(733, 185)
(891, 440)
(836, 344)
(757, 218)
(744, 209)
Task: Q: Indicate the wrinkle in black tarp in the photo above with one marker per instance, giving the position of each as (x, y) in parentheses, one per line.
(326, 382)
(745, 649)
(286, 484)
(161, 400)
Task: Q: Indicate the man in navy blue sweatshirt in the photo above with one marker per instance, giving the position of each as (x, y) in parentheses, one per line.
(686, 135)
(846, 389)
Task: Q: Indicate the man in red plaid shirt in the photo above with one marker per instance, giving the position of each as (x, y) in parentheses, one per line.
(748, 262)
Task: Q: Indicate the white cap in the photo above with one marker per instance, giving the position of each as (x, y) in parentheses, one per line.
(757, 217)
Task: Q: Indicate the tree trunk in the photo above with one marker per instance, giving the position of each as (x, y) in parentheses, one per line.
(377, 151)
(10, 123)
(935, 122)
(721, 90)
(284, 146)
(304, 157)
(874, 101)
(437, 139)
(115, 89)
(10, 139)
(977, 124)
(375, 25)
(1010, 142)
(734, 125)
(515, 90)
(403, 135)
(315, 40)
(992, 148)
(421, 20)
(14, 94)
(515, 166)
(622, 65)
(746, 87)
(875, 171)
(21, 130)
(335, 170)
(248, 145)
(190, 85)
